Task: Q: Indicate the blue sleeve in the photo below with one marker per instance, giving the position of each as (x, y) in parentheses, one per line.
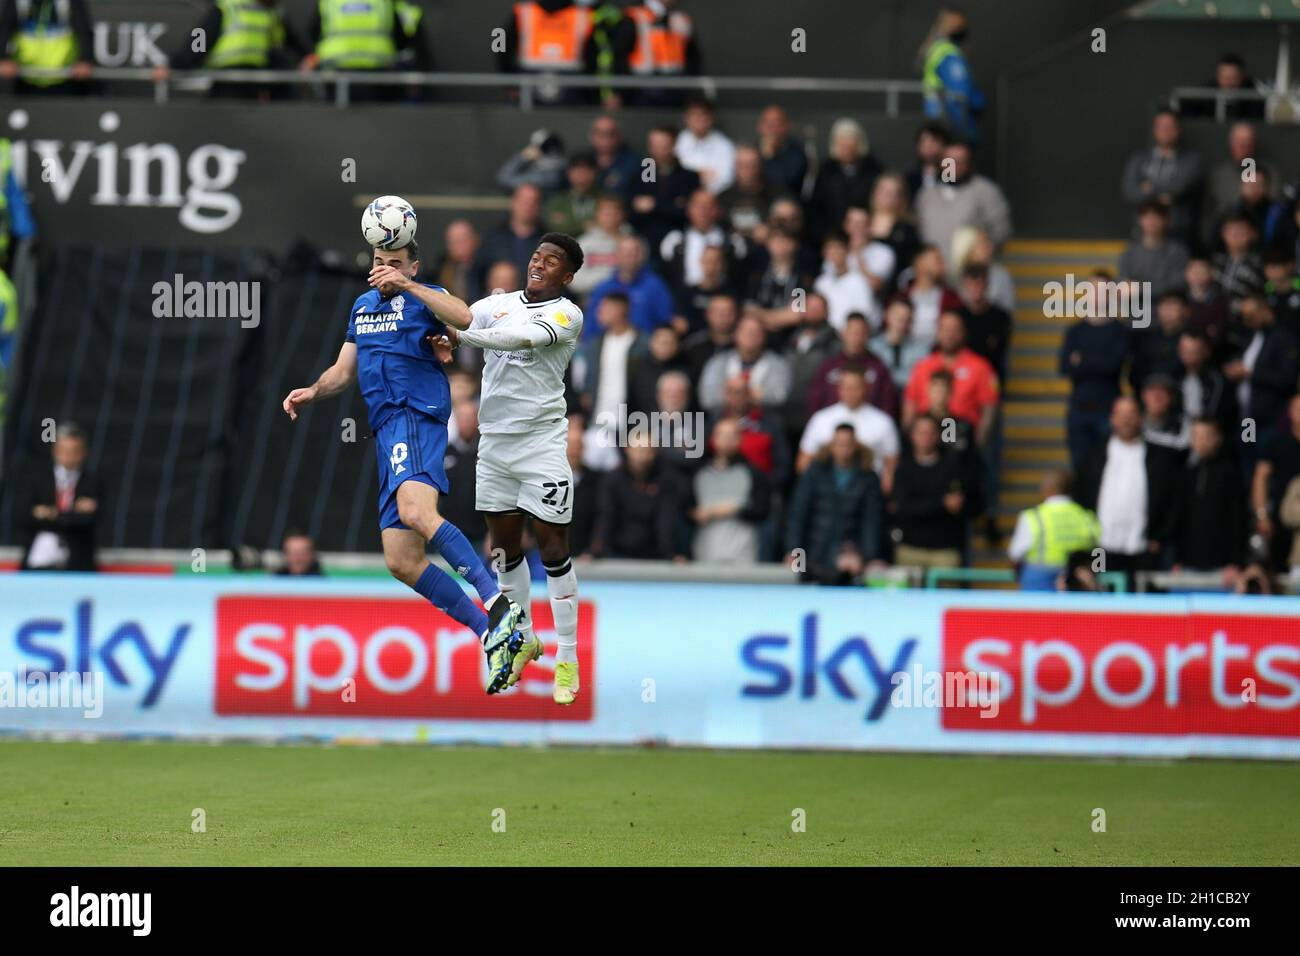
(956, 78)
(589, 330)
(663, 304)
(352, 321)
(21, 221)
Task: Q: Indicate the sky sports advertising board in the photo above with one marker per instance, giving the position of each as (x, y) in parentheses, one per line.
(713, 666)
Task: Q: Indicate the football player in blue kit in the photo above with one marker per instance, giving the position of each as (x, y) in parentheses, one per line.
(387, 351)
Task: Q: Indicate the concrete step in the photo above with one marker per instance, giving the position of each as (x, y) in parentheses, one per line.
(1031, 433)
(1037, 339)
(1026, 409)
(1037, 456)
(1044, 363)
(1062, 248)
(1037, 387)
(1055, 269)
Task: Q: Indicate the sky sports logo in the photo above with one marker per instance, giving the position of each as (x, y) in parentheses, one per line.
(1129, 673)
(379, 657)
(77, 909)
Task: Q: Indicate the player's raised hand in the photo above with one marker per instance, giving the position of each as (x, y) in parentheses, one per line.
(297, 399)
(387, 280)
(442, 347)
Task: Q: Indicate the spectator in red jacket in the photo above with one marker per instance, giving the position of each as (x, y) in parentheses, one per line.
(975, 384)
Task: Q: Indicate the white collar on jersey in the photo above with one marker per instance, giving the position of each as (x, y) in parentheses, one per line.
(537, 305)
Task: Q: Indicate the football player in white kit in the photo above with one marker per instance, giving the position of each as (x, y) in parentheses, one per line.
(528, 338)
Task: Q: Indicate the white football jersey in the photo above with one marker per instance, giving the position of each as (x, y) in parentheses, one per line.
(524, 390)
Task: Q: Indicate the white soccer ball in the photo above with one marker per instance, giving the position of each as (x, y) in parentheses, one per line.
(388, 223)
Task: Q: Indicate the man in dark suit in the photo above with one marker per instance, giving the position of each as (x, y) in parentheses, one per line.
(1130, 484)
(1264, 373)
(62, 508)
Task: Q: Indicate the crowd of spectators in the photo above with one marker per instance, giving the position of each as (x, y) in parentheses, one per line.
(770, 343)
(817, 346)
(1184, 421)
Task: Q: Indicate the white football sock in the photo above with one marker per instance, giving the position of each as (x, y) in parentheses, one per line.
(515, 582)
(562, 585)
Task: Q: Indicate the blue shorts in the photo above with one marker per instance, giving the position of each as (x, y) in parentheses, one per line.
(408, 447)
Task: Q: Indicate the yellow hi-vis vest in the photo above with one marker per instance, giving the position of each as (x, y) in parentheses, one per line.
(939, 51)
(8, 306)
(409, 15)
(249, 32)
(6, 164)
(357, 35)
(45, 39)
(1059, 529)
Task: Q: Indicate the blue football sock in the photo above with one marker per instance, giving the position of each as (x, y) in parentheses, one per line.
(445, 593)
(455, 549)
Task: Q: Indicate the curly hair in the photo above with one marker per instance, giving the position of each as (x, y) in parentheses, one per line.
(572, 251)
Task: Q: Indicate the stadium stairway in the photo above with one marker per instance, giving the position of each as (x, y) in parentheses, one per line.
(1033, 411)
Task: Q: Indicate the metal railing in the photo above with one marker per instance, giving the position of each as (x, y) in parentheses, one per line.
(617, 569)
(528, 84)
(935, 577)
(1221, 98)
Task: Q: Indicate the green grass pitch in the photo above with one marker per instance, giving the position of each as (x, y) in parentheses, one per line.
(132, 804)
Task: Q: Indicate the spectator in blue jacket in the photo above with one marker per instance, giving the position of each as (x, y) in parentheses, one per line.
(651, 299)
(834, 528)
(1092, 358)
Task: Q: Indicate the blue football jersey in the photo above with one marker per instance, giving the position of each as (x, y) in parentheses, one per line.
(396, 367)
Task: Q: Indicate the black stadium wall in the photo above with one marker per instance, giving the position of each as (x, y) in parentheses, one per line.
(1061, 113)
(128, 193)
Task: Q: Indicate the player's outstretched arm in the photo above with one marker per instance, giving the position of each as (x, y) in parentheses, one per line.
(449, 309)
(508, 339)
(332, 381)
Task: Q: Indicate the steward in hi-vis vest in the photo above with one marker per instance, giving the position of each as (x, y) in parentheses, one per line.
(1048, 533)
(46, 35)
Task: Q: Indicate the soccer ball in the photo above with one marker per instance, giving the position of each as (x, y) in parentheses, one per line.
(388, 223)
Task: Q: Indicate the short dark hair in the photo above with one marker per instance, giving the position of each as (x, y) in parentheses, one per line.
(935, 129)
(1153, 205)
(412, 247)
(855, 317)
(617, 296)
(698, 101)
(70, 430)
(942, 375)
(572, 251)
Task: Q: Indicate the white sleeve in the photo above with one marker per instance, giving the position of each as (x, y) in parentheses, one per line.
(561, 325)
(1022, 539)
(564, 323)
(889, 444)
(811, 442)
(481, 312)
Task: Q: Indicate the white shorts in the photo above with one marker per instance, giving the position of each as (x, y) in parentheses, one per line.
(526, 472)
